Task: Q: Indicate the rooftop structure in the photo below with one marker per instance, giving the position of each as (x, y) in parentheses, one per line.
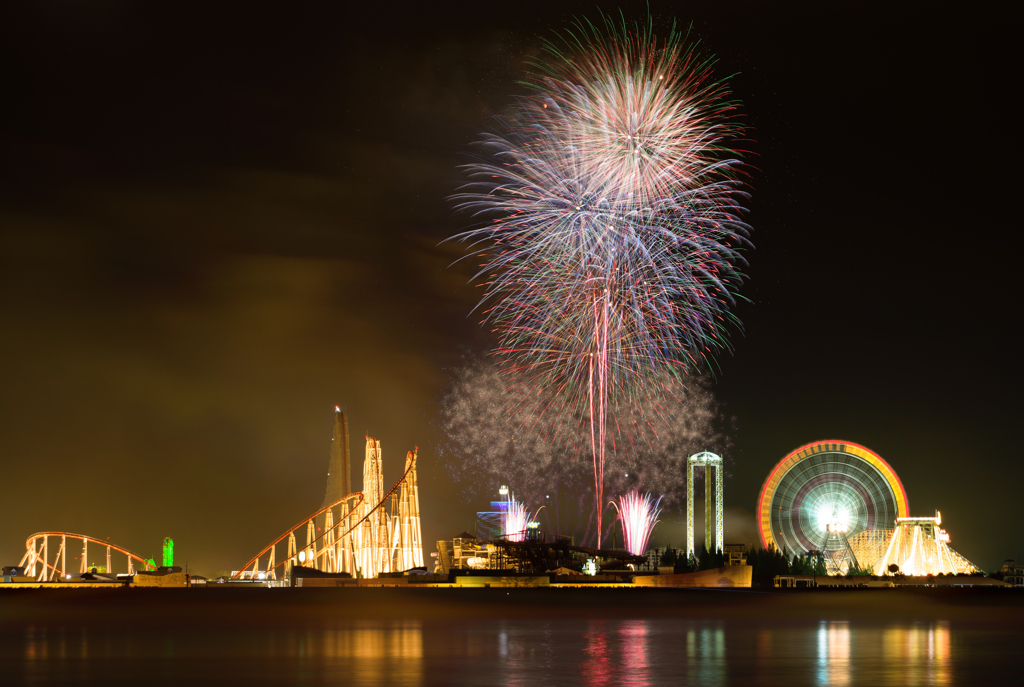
(735, 554)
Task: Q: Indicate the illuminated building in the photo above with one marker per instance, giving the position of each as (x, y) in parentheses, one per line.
(466, 553)
(491, 524)
(735, 554)
(507, 518)
(919, 547)
(1013, 573)
(169, 576)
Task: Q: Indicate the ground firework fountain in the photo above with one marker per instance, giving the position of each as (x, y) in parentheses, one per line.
(638, 515)
(516, 519)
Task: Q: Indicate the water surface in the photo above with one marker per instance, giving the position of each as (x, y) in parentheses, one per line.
(322, 644)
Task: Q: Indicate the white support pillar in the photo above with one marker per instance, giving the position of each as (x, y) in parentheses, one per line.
(63, 557)
(344, 560)
(414, 514)
(719, 521)
(707, 506)
(292, 553)
(311, 544)
(27, 558)
(329, 550)
(45, 558)
(689, 509)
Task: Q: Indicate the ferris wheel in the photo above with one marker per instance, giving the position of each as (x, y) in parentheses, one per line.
(822, 494)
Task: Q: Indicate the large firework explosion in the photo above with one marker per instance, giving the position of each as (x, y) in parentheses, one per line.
(502, 430)
(610, 206)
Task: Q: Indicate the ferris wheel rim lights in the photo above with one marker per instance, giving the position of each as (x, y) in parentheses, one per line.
(807, 451)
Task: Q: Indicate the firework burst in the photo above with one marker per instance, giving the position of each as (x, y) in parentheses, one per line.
(610, 203)
(638, 515)
(516, 519)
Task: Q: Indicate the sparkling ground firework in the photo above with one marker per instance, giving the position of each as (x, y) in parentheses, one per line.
(610, 232)
(516, 518)
(638, 516)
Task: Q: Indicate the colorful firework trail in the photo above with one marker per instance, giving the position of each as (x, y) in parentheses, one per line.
(638, 515)
(610, 203)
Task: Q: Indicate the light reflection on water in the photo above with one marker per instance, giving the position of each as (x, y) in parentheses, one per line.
(518, 652)
(834, 653)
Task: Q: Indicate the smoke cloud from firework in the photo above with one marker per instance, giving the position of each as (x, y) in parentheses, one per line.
(503, 432)
(611, 233)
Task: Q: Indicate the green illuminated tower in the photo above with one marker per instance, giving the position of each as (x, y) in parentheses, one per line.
(168, 552)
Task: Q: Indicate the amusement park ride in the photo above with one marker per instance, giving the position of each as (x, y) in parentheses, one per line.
(835, 500)
(36, 561)
(362, 533)
(844, 503)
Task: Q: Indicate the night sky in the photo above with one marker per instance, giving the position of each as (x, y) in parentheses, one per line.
(215, 225)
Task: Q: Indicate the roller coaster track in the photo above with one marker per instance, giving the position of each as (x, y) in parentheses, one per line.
(37, 548)
(319, 559)
(254, 561)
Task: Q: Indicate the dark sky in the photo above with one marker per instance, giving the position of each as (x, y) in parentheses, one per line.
(217, 224)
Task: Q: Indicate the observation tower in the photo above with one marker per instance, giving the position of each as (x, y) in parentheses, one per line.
(339, 469)
(708, 460)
